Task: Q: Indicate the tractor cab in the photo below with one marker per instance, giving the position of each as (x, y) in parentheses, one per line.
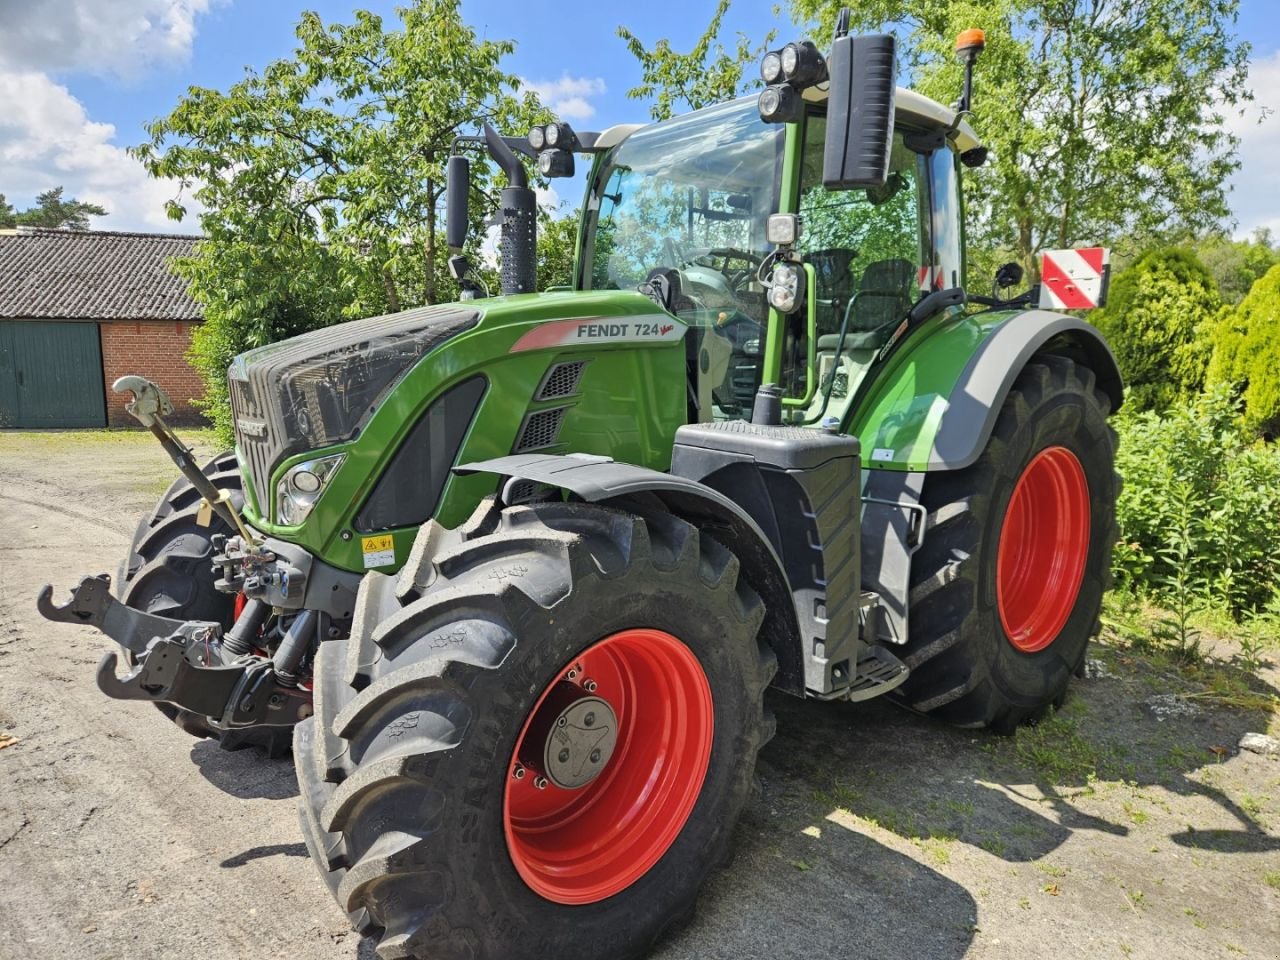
(684, 206)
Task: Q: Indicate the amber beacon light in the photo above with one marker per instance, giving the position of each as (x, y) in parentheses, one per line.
(968, 45)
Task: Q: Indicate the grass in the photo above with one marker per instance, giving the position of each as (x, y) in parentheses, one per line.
(57, 439)
(1059, 751)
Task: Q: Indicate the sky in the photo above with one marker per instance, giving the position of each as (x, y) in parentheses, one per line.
(80, 78)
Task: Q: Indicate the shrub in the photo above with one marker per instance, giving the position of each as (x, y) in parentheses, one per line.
(1246, 353)
(1156, 315)
(1201, 498)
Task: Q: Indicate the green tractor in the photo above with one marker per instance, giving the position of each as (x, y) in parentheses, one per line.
(515, 573)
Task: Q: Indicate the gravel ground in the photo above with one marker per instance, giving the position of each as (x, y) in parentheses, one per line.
(1128, 826)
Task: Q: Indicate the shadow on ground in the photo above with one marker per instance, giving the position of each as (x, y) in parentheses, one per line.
(247, 773)
(1019, 797)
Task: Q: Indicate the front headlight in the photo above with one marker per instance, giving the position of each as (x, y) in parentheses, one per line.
(301, 486)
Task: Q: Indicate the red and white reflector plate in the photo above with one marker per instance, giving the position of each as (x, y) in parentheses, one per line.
(1074, 279)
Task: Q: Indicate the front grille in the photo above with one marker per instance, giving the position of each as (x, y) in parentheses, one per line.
(540, 430)
(259, 451)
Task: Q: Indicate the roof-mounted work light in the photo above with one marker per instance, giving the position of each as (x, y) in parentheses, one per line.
(802, 64)
(788, 71)
(554, 143)
(780, 103)
(771, 67)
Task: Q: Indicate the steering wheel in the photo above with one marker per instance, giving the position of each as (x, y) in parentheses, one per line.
(729, 254)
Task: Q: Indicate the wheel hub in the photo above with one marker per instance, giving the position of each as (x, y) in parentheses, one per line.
(571, 737)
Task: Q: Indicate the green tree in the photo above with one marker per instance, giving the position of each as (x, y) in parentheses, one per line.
(1237, 264)
(51, 212)
(1159, 315)
(1246, 353)
(1104, 117)
(321, 177)
(557, 250)
(707, 74)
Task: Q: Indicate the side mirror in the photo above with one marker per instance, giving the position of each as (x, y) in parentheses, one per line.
(864, 79)
(1009, 275)
(457, 186)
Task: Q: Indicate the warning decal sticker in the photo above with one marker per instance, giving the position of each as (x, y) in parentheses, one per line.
(379, 551)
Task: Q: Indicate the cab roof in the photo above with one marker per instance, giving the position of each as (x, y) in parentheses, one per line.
(908, 103)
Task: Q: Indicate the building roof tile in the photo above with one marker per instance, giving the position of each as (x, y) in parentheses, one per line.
(94, 275)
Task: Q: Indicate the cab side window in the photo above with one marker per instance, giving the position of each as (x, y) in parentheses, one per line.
(866, 245)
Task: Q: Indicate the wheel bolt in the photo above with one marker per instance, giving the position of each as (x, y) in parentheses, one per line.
(540, 783)
(564, 756)
(573, 673)
(595, 756)
(589, 719)
(518, 772)
(562, 721)
(589, 686)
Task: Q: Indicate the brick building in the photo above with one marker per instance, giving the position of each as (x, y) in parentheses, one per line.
(79, 309)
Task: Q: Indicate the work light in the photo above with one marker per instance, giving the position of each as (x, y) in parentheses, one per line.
(556, 163)
(537, 138)
(802, 64)
(771, 67)
(780, 103)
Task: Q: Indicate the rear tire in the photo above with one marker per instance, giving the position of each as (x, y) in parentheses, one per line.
(1006, 590)
(169, 572)
(410, 804)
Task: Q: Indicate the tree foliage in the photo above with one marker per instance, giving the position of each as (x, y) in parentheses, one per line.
(51, 212)
(1194, 476)
(1104, 117)
(1246, 354)
(707, 74)
(321, 178)
(1158, 315)
(1237, 264)
(557, 250)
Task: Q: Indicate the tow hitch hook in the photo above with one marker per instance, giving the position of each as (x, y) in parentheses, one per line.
(180, 662)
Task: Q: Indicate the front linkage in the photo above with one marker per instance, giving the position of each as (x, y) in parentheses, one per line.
(245, 676)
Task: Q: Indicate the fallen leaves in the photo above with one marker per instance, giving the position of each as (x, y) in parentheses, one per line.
(7, 740)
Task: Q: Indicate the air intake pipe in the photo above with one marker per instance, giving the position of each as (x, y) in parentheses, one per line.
(517, 218)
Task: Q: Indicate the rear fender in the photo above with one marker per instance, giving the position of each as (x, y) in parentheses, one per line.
(640, 490)
(937, 400)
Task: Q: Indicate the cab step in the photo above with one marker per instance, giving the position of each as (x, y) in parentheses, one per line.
(878, 671)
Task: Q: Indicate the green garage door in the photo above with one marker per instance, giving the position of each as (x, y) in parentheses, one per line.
(50, 374)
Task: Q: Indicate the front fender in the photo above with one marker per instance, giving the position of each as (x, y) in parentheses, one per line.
(936, 401)
(639, 489)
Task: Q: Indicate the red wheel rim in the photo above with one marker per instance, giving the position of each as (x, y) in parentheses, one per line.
(1044, 544)
(583, 845)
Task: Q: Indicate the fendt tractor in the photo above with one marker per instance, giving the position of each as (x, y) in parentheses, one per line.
(515, 573)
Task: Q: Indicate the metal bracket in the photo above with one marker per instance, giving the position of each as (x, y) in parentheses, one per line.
(92, 605)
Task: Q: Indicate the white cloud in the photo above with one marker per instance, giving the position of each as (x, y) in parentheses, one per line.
(568, 97)
(47, 140)
(121, 37)
(1254, 199)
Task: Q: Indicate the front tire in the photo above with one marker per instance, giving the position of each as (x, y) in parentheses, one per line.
(168, 571)
(1007, 587)
(420, 772)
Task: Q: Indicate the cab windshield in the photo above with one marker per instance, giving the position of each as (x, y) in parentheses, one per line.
(691, 194)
